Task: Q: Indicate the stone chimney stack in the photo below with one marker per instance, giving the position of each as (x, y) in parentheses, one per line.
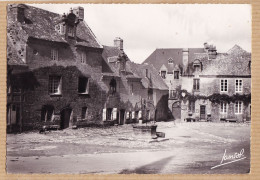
(212, 52)
(79, 12)
(118, 42)
(18, 11)
(206, 47)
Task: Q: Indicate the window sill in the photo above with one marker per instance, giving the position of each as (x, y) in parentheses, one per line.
(83, 94)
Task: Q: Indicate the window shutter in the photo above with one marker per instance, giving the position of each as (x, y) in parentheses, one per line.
(140, 114)
(114, 113)
(133, 114)
(104, 114)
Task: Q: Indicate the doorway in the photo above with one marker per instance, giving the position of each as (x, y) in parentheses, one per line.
(65, 118)
(176, 110)
(122, 117)
(202, 112)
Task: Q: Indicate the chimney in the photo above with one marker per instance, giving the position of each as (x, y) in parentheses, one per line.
(185, 58)
(118, 42)
(212, 52)
(206, 47)
(18, 11)
(79, 12)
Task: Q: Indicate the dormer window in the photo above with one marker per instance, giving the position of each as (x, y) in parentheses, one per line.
(54, 54)
(170, 61)
(122, 65)
(71, 31)
(163, 74)
(197, 65)
(83, 57)
(146, 73)
(176, 74)
(83, 85)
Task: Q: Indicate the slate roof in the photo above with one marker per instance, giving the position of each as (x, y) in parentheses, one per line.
(154, 80)
(40, 24)
(234, 62)
(133, 70)
(161, 56)
(110, 55)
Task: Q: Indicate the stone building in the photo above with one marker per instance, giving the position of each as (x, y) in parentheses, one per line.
(59, 74)
(211, 85)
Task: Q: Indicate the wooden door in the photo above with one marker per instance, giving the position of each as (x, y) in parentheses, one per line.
(202, 112)
(176, 110)
(65, 118)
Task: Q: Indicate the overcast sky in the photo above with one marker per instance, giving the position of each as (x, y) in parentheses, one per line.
(147, 27)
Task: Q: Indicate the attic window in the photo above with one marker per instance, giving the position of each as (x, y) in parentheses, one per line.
(54, 54)
(170, 61)
(83, 85)
(176, 74)
(163, 74)
(146, 73)
(197, 65)
(71, 31)
(83, 57)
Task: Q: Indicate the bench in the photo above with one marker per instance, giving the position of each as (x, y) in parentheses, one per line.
(228, 119)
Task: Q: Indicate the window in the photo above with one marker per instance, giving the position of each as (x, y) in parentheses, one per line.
(60, 28)
(47, 113)
(192, 106)
(70, 31)
(223, 107)
(83, 57)
(132, 88)
(196, 84)
(54, 85)
(54, 54)
(224, 85)
(83, 85)
(238, 85)
(146, 73)
(238, 107)
(112, 85)
(170, 61)
(173, 94)
(84, 113)
(176, 74)
(163, 74)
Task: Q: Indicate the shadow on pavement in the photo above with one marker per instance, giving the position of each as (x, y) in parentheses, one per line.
(152, 168)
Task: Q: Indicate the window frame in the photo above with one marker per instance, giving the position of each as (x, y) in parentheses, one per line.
(238, 106)
(196, 84)
(170, 61)
(52, 86)
(83, 57)
(164, 77)
(223, 91)
(223, 107)
(54, 54)
(238, 86)
(71, 30)
(86, 87)
(176, 74)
